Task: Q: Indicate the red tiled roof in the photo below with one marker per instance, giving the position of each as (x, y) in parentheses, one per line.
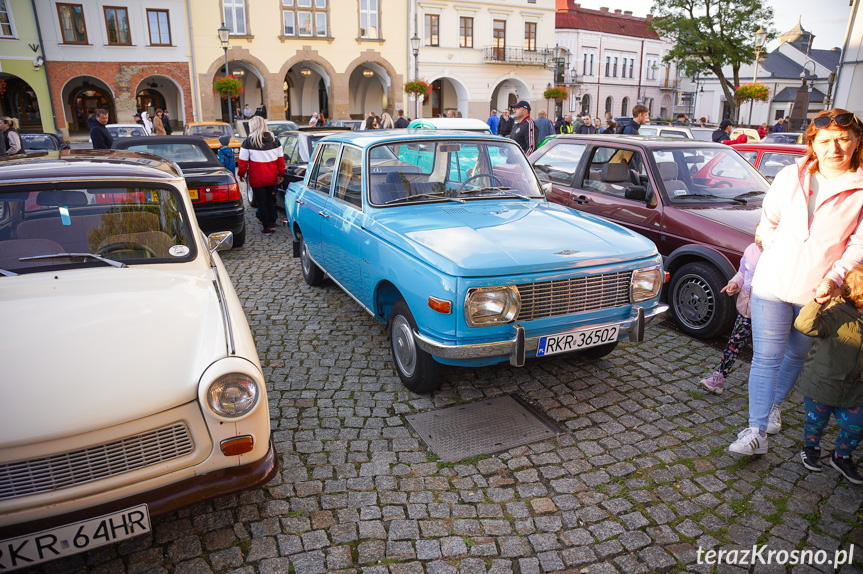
(572, 16)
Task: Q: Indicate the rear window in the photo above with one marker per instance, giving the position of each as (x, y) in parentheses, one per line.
(180, 153)
(212, 131)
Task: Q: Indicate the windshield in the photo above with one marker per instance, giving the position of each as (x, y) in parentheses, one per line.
(211, 130)
(38, 142)
(461, 169)
(126, 131)
(278, 128)
(132, 225)
(708, 174)
(183, 154)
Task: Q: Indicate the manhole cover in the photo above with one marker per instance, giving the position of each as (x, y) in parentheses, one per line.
(484, 427)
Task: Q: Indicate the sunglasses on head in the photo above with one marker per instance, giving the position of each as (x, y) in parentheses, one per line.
(841, 120)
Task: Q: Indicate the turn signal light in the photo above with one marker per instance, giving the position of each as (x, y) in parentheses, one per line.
(237, 445)
(440, 305)
(667, 277)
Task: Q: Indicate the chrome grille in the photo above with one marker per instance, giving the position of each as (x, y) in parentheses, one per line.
(49, 473)
(567, 296)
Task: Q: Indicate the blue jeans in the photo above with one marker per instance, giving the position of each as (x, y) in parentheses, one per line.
(778, 352)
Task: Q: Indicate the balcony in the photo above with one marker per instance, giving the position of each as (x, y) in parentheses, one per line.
(504, 55)
(670, 84)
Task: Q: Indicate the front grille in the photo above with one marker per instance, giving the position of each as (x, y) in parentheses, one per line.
(64, 470)
(567, 296)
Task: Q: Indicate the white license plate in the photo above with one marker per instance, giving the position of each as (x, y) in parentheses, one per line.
(73, 538)
(574, 340)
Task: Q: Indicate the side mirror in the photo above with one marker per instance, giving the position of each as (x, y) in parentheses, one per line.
(546, 188)
(636, 192)
(220, 241)
(64, 145)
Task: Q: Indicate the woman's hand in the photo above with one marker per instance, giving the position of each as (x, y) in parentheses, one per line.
(731, 288)
(824, 291)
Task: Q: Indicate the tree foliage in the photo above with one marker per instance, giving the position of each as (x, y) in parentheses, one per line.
(711, 34)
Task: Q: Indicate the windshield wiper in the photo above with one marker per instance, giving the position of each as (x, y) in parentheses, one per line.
(423, 196)
(748, 194)
(110, 262)
(5, 273)
(710, 195)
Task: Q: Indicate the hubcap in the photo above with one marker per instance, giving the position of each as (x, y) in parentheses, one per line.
(404, 349)
(694, 301)
(306, 259)
(250, 194)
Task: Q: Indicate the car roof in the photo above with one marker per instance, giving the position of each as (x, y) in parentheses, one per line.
(212, 159)
(57, 166)
(366, 138)
(124, 126)
(209, 124)
(643, 141)
(757, 146)
(451, 123)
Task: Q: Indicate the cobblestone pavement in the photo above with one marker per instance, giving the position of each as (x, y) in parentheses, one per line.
(638, 482)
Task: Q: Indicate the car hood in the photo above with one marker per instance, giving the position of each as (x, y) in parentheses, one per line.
(90, 348)
(740, 217)
(483, 238)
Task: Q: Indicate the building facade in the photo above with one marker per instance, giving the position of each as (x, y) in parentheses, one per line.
(24, 92)
(344, 58)
(122, 57)
(616, 62)
(849, 85)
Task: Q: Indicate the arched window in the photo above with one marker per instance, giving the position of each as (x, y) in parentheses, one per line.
(608, 103)
(585, 104)
(624, 107)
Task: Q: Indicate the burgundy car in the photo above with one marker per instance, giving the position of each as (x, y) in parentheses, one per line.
(698, 201)
(770, 158)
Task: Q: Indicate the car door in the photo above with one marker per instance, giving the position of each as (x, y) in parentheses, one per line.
(313, 198)
(342, 233)
(558, 166)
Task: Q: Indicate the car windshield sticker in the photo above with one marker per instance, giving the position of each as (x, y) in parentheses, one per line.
(178, 250)
(64, 216)
(679, 192)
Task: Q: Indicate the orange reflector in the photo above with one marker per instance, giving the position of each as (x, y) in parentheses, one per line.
(667, 276)
(440, 305)
(237, 445)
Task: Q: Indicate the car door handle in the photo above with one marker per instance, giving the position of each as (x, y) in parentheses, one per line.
(323, 214)
(581, 199)
(299, 202)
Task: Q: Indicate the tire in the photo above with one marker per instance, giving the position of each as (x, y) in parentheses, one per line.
(240, 238)
(313, 274)
(417, 369)
(250, 195)
(696, 303)
(599, 351)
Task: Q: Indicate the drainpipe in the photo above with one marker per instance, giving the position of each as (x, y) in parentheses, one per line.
(42, 49)
(599, 81)
(195, 114)
(640, 72)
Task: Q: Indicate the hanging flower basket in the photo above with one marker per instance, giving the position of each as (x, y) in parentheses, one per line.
(557, 93)
(418, 88)
(2, 87)
(228, 87)
(751, 92)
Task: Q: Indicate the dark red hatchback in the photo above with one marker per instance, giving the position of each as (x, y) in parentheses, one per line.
(698, 201)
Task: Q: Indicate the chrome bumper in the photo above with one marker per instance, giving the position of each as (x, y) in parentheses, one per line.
(520, 346)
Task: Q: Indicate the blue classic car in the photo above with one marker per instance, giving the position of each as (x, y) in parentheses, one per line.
(448, 239)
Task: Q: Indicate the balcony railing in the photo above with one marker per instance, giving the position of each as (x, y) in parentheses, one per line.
(505, 55)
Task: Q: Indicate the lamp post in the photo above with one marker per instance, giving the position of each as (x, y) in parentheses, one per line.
(760, 38)
(831, 79)
(415, 48)
(809, 85)
(224, 38)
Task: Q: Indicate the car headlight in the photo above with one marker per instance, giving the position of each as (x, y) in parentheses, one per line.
(233, 395)
(491, 305)
(646, 284)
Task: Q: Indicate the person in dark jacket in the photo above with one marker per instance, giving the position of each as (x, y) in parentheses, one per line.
(587, 126)
(226, 154)
(779, 127)
(262, 159)
(566, 127)
(681, 120)
(544, 127)
(830, 381)
(12, 144)
(723, 133)
(401, 123)
(261, 111)
(504, 127)
(639, 116)
(524, 130)
(558, 124)
(166, 123)
(99, 134)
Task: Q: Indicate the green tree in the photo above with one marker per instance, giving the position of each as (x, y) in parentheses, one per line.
(711, 34)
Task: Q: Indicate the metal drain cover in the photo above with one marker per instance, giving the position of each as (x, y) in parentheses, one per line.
(484, 427)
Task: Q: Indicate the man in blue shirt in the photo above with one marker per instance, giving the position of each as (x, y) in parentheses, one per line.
(544, 127)
(493, 122)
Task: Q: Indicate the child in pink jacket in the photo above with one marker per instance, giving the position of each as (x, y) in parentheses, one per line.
(741, 283)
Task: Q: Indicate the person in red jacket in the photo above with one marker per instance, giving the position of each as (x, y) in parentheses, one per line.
(261, 158)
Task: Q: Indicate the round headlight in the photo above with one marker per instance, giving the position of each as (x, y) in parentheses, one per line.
(491, 305)
(233, 395)
(646, 284)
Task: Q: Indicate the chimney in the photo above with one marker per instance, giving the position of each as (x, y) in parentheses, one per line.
(617, 11)
(649, 17)
(603, 9)
(627, 12)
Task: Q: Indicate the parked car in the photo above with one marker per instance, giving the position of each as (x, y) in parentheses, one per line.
(280, 127)
(136, 383)
(664, 131)
(698, 201)
(125, 130)
(751, 135)
(769, 158)
(445, 237)
(211, 132)
(297, 147)
(42, 142)
(465, 124)
(703, 134)
(353, 124)
(213, 189)
(784, 138)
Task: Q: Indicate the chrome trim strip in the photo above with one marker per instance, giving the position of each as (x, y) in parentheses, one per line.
(223, 304)
(634, 325)
(88, 178)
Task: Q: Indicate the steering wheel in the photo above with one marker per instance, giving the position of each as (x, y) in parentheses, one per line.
(722, 183)
(125, 246)
(477, 176)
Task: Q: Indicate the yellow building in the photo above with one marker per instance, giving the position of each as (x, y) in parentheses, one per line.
(343, 57)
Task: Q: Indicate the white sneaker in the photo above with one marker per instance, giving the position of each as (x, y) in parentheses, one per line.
(774, 420)
(750, 441)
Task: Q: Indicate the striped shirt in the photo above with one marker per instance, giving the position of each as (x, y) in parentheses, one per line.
(524, 134)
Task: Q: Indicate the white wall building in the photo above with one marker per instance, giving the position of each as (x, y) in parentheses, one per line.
(849, 85)
(480, 55)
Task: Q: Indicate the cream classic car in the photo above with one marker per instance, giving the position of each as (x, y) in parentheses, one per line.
(132, 379)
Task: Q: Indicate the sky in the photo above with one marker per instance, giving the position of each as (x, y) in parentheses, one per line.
(826, 19)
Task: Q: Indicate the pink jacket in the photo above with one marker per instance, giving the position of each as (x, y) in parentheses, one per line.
(743, 278)
(799, 254)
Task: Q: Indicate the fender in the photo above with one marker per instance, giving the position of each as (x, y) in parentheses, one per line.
(688, 252)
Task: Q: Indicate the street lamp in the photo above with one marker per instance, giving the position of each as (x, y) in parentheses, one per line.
(808, 85)
(760, 38)
(224, 39)
(831, 79)
(415, 48)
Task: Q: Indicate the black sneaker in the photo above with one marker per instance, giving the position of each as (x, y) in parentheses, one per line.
(846, 466)
(810, 456)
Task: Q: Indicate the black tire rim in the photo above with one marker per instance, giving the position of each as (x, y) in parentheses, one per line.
(404, 348)
(694, 301)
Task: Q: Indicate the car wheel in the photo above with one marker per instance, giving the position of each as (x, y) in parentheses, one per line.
(599, 351)
(417, 369)
(696, 303)
(313, 274)
(250, 195)
(240, 238)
